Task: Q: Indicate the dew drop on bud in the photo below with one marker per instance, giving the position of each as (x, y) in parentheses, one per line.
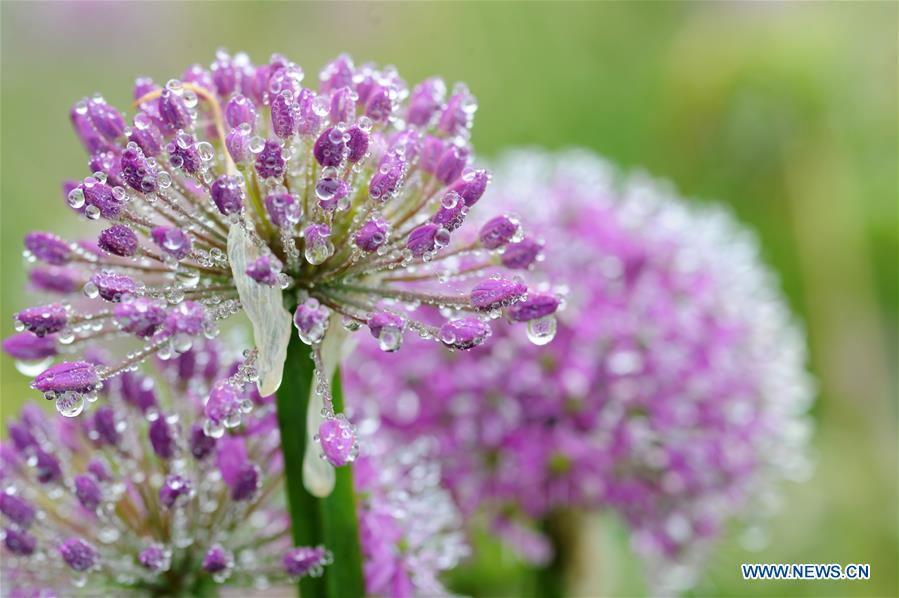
(70, 404)
(542, 330)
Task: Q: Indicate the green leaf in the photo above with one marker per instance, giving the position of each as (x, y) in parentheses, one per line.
(330, 521)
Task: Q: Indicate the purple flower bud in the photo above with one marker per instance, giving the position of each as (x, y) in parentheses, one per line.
(330, 147)
(426, 99)
(48, 248)
(451, 164)
(338, 441)
(283, 209)
(224, 74)
(464, 333)
(113, 286)
(536, 305)
(284, 115)
(78, 554)
(217, 560)
(146, 135)
(380, 320)
(471, 186)
(310, 121)
(311, 320)
(136, 171)
(162, 438)
(172, 241)
(99, 199)
(75, 376)
(172, 110)
(379, 105)
(143, 86)
(406, 144)
(452, 212)
(29, 347)
(175, 491)
(240, 110)
(183, 153)
(270, 161)
(262, 272)
(84, 128)
(432, 150)
(99, 470)
(106, 120)
(21, 436)
(19, 542)
(318, 244)
(55, 280)
(304, 560)
(201, 445)
(16, 509)
(107, 163)
(285, 77)
(385, 182)
(241, 476)
(227, 193)
(357, 145)
(330, 190)
(458, 115)
(223, 405)
(88, 492)
(199, 76)
(154, 558)
(254, 83)
(498, 231)
(423, 239)
(188, 318)
(104, 428)
(336, 74)
(238, 143)
(372, 235)
(140, 316)
(343, 106)
(138, 391)
(118, 240)
(44, 319)
(47, 467)
(521, 255)
(495, 293)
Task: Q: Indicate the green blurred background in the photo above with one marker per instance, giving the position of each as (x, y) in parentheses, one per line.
(786, 111)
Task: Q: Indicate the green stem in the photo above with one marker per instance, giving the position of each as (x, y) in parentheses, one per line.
(549, 580)
(329, 521)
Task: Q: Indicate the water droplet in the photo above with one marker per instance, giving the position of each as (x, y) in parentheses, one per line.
(70, 404)
(542, 330)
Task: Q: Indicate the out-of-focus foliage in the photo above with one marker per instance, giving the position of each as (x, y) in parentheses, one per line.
(786, 111)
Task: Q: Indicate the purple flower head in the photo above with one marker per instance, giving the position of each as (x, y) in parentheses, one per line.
(495, 293)
(19, 542)
(223, 406)
(16, 509)
(155, 558)
(674, 373)
(337, 437)
(283, 209)
(78, 554)
(48, 248)
(113, 286)
(270, 161)
(425, 101)
(372, 234)
(311, 321)
(240, 110)
(140, 316)
(175, 491)
(217, 560)
(305, 560)
(464, 333)
(43, 320)
(237, 191)
(29, 347)
(263, 271)
(172, 241)
(74, 376)
(227, 194)
(88, 492)
(522, 254)
(330, 147)
(118, 240)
